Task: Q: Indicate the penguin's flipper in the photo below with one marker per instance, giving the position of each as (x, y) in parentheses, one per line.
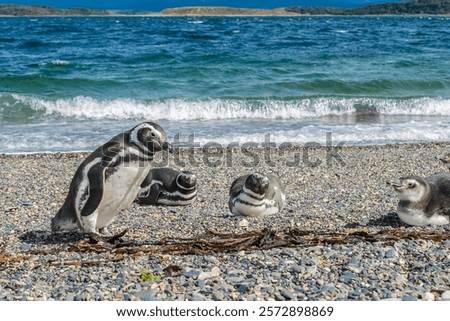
(97, 175)
(237, 185)
(155, 192)
(96, 186)
(89, 212)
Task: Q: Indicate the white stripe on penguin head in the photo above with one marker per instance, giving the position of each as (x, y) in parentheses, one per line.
(134, 135)
(181, 186)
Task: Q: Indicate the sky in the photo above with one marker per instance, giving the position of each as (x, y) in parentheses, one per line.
(158, 5)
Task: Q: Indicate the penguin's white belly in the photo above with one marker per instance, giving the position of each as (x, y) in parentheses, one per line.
(176, 198)
(244, 205)
(253, 211)
(120, 190)
(418, 218)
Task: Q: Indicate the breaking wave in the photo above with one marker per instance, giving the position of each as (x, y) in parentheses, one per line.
(17, 108)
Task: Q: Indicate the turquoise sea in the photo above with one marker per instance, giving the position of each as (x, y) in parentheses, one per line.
(71, 83)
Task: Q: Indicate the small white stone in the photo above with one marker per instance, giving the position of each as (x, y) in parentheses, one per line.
(445, 295)
(428, 296)
(215, 271)
(401, 279)
(243, 223)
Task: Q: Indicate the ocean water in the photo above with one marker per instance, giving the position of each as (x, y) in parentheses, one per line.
(71, 83)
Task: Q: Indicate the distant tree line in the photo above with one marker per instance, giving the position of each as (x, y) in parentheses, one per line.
(415, 7)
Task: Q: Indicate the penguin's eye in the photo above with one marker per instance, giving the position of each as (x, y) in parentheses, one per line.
(411, 184)
(153, 134)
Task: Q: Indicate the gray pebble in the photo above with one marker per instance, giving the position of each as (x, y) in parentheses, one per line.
(146, 294)
(329, 287)
(391, 253)
(72, 277)
(99, 297)
(376, 297)
(348, 277)
(25, 247)
(354, 295)
(197, 297)
(279, 297)
(287, 294)
(408, 297)
(212, 259)
(267, 289)
(80, 297)
(192, 274)
(234, 279)
(401, 279)
(242, 288)
(217, 296)
(445, 295)
(298, 269)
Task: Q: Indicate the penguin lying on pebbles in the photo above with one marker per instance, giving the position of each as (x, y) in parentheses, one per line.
(423, 201)
(108, 180)
(168, 186)
(256, 195)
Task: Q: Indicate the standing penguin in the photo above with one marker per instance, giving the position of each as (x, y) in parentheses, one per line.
(168, 186)
(256, 195)
(108, 180)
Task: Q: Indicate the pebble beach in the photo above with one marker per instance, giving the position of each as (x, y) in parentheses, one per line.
(328, 190)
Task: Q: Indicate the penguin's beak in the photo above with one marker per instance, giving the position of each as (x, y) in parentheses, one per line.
(168, 146)
(395, 184)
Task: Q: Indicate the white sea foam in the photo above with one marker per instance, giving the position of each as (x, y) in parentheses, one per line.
(70, 136)
(55, 62)
(366, 134)
(220, 109)
(60, 62)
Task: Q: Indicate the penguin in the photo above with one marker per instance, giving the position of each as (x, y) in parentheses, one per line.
(423, 201)
(168, 186)
(256, 195)
(108, 180)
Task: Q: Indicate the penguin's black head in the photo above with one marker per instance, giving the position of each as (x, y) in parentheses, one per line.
(150, 138)
(186, 180)
(257, 183)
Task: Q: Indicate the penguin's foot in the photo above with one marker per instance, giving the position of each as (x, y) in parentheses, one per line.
(96, 238)
(103, 231)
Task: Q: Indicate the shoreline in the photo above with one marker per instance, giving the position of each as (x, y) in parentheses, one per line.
(418, 144)
(325, 197)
